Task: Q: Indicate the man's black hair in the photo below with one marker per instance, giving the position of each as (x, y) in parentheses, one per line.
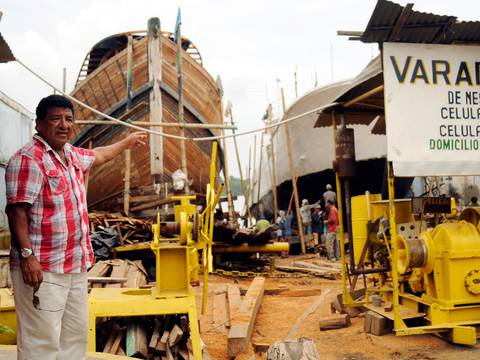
(474, 199)
(52, 101)
(329, 201)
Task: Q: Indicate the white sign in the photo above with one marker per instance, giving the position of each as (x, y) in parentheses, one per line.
(432, 108)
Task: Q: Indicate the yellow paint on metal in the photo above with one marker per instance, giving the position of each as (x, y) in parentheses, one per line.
(361, 215)
(176, 265)
(7, 316)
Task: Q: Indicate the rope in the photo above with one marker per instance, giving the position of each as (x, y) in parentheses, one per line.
(171, 136)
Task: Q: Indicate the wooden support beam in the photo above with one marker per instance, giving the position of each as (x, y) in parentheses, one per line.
(126, 182)
(260, 169)
(402, 19)
(239, 163)
(243, 320)
(294, 177)
(181, 119)
(254, 167)
(226, 172)
(272, 158)
(155, 76)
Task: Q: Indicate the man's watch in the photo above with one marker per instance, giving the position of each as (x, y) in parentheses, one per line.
(25, 253)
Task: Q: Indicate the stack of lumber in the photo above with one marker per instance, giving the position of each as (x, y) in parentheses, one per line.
(117, 273)
(130, 230)
(153, 337)
(318, 268)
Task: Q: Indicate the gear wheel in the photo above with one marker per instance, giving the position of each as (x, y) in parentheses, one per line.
(472, 282)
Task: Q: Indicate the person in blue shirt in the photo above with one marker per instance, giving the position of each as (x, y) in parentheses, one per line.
(284, 222)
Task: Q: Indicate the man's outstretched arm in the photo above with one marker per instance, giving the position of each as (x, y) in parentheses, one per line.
(104, 154)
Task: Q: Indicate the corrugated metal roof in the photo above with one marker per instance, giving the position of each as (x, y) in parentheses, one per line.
(6, 54)
(418, 27)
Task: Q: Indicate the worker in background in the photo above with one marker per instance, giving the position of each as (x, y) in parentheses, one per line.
(473, 202)
(51, 250)
(317, 224)
(329, 194)
(284, 222)
(306, 215)
(333, 247)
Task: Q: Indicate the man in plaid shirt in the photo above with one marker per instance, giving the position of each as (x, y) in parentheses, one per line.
(51, 250)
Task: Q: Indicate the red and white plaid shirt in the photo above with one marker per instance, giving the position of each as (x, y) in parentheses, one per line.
(58, 217)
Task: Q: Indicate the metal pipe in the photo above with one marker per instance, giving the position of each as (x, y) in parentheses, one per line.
(363, 96)
(348, 213)
(276, 247)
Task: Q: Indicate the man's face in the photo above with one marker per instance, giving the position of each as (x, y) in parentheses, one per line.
(57, 127)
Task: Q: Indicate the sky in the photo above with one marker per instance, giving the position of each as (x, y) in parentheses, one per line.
(255, 46)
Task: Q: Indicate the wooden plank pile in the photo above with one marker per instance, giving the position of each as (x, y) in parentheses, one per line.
(129, 229)
(318, 268)
(117, 273)
(162, 337)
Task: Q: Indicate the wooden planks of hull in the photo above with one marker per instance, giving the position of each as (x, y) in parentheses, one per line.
(104, 88)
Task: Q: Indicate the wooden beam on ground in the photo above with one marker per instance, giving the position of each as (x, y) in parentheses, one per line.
(294, 177)
(156, 110)
(219, 311)
(335, 322)
(243, 320)
(234, 300)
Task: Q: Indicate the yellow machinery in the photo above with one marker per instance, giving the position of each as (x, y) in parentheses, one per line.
(426, 280)
(176, 246)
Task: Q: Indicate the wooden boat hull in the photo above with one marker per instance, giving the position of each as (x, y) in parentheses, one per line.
(104, 88)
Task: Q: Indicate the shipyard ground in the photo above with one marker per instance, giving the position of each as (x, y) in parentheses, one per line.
(278, 313)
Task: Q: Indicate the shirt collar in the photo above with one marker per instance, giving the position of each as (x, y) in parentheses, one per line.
(67, 148)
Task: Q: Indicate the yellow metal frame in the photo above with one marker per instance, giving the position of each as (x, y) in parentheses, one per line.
(176, 265)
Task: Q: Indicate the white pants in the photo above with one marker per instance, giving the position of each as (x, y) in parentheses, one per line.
(57, 328)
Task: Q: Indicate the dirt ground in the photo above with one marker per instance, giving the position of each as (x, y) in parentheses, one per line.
(278, 313)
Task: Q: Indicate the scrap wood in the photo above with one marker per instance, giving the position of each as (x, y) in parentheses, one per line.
(119, 269)
(335, 322)
(315, 272)
(136, 340)
(243, 320)
(136, 274)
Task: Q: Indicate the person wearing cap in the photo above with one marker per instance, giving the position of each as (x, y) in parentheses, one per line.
(329, 195)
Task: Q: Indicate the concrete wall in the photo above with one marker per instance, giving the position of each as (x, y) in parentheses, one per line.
(16, 129)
